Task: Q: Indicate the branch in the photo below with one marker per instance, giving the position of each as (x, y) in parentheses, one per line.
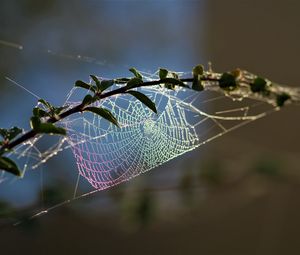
(229, 83)
(80, 108)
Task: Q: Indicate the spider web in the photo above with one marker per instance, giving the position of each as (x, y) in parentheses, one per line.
(107, 155)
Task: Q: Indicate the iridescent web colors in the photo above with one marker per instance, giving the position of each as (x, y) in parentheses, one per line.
(107, 155)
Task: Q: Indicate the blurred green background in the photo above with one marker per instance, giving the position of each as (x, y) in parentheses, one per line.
(236, 195)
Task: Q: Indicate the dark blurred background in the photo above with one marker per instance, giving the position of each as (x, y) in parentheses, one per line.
(235, 195)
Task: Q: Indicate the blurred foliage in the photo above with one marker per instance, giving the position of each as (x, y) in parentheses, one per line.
(5, 210)
(212, 172)
(139, 209)
(140, 206)
(187, 186)
(55, 194)
(268, 167)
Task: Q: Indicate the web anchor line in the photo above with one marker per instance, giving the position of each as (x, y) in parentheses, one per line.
(106, 155)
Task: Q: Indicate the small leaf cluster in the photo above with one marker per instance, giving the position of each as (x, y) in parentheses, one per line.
(259, 85)
(137, 81)
(39, 122)
(9, 134)
(51, 111)
(7, 164)
(45, 127)
(282, 98)
(170, 79)
(98, 88)
(101, 85)
(228, 81)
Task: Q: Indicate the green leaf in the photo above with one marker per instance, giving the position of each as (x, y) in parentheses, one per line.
(35, 123)
(134, 82)
(104, 113)
(198, 70)
(227, 82)
(105, 84)
(46, 104)
(96, 80)
(38, 112)
(282, 98)
(144, 99)
(102, 85)
(259, 85)
(197, 73)
(136, 73)
(88, 99)
(197, 85)
(51, 129)
(45, 128)
(163, 73)
(9, 166)
(122, 80)
(84, 85)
